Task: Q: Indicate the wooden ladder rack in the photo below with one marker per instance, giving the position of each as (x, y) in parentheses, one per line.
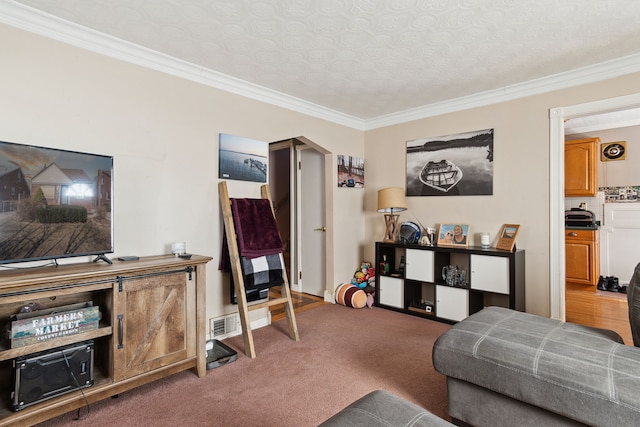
(238, 277)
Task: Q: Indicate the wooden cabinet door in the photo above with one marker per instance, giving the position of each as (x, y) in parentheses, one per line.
(581, 167)
(582, 257)
(151, 325)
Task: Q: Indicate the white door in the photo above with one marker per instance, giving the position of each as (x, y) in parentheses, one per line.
(391, 291)
(419, 265)
(490, 274)
(312, 231)
(452, 303)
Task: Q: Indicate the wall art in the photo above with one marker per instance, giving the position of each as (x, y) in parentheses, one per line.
(350, 171)
(243, 159)
(452, 165)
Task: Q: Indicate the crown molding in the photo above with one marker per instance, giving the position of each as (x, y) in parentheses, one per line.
(590, 74)
(35, 21)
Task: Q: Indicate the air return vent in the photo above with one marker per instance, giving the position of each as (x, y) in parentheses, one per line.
(224, 326)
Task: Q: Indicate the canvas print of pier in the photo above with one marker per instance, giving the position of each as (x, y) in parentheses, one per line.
(243, 159)
(453, 165)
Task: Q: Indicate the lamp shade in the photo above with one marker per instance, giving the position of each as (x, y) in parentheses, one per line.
(391, 200)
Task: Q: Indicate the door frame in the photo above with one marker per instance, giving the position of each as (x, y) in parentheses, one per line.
(328, 208)
(557, 116)
(328, 215)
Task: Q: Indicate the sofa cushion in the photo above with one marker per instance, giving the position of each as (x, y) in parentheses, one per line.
(633, 298)
(585, 374)
(380, 408)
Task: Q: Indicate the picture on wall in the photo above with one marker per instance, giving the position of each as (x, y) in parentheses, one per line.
(350, 171)
(453, 165)
(242, 159)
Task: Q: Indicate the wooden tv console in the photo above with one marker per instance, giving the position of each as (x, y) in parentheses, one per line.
(152, 324)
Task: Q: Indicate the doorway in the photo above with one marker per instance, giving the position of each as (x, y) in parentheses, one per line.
(557, 117)
(300, 204)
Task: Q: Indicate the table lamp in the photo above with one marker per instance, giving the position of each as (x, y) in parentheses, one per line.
(391, 200)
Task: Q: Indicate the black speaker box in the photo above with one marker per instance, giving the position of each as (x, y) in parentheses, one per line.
(41, 376)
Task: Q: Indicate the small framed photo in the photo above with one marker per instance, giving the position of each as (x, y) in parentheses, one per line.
(453, 235)
(507, 239)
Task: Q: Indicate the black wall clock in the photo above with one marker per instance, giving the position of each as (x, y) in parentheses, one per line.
(613, 151)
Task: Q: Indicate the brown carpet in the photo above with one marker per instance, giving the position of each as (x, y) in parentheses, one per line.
(343, 354)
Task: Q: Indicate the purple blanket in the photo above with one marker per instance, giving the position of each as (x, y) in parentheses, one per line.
(256, 228)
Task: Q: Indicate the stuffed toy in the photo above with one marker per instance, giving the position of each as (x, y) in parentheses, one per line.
(364, 279)
(364, 275)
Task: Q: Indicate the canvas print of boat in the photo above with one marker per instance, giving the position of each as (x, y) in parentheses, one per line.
(452, 165)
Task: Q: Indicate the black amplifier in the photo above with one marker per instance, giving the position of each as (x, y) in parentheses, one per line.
(41, 376)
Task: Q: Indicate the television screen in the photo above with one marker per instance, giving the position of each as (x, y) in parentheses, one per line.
(54, 203)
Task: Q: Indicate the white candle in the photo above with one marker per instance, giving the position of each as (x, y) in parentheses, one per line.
(485, 240)
(179, 248)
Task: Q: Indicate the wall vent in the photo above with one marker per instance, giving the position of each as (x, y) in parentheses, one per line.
(224, 326)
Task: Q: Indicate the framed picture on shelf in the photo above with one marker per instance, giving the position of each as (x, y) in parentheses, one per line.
(507, 239)
(453, 235)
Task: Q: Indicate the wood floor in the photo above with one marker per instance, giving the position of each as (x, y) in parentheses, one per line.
(301, 302)
(599, 309)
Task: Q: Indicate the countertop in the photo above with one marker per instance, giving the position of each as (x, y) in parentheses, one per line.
(583, 227)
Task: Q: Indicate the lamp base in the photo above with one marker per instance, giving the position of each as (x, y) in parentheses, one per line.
(391, 221)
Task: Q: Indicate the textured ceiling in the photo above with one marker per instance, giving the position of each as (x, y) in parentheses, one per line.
(370, 58)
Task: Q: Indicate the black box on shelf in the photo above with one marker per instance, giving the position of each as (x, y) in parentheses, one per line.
(44, 375)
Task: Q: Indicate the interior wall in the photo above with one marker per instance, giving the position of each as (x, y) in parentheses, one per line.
(521, 193)
(163, 134)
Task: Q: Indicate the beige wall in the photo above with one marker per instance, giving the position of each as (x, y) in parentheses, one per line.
(521, 174)
(163, 134)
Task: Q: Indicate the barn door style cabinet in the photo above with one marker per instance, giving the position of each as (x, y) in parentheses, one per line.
(151, 325)
(417, 280)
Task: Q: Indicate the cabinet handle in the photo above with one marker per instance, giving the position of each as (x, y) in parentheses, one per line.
(573, 234)
(120, 330)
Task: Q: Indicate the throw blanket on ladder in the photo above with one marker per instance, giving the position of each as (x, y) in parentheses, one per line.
(259, 243)
(262, 272)
(256, 227)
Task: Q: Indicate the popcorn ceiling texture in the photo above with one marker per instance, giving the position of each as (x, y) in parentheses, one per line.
(369, 58)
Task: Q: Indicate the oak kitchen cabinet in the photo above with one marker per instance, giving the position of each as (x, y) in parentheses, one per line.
(581, 167)
(582, 252)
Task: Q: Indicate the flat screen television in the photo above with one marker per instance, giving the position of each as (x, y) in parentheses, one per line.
(54, 203)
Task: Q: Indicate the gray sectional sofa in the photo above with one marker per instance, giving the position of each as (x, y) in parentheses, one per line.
(507, 368)
(382, 409)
